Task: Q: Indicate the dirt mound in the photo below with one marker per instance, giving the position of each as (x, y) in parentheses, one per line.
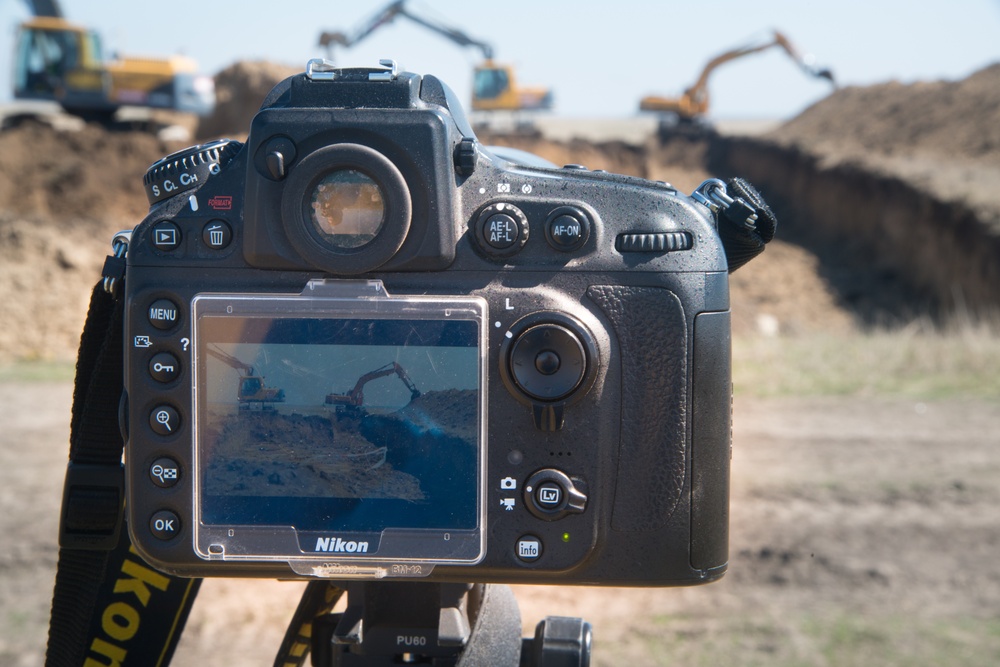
(63, 195)
(886, 197)
(239, 91)
(92, 174)
(956, 120)
(893, 188)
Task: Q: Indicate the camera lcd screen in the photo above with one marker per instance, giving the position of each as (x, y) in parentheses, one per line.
(328, 422)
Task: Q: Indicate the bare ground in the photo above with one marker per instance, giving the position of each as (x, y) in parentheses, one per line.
(864, 531)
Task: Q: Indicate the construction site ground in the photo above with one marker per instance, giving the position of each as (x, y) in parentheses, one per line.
(866, 364)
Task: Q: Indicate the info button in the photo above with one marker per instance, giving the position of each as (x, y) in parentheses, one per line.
(529, 548)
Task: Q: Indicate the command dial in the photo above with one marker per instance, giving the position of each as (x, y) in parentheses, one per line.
(187, 169)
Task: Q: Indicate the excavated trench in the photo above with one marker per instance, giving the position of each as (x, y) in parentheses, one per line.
(888, 248)
(886, 198)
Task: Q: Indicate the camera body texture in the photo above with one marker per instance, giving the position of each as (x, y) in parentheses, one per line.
(362, 345)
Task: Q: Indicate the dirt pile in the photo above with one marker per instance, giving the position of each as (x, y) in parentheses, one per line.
(893, 189)
(91, 174)
(951, 120)
(239, 91)
(886, 197)
(63, 195)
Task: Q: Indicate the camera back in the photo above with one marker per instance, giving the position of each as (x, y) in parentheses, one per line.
(362, 345)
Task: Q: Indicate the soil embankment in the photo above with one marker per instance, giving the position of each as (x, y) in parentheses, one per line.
(877, 226)
(896, 182)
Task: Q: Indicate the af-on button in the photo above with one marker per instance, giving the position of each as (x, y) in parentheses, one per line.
(567, 228)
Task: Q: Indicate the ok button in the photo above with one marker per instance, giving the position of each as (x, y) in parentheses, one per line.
(165, 525)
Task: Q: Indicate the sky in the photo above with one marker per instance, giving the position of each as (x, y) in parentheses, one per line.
(599, 57)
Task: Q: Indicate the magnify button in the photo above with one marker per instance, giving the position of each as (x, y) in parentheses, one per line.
(164, 420)
(164, 472)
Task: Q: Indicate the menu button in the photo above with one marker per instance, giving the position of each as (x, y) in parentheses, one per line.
(163, 314)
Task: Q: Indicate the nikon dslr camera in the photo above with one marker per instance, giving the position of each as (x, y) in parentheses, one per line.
(361, 345)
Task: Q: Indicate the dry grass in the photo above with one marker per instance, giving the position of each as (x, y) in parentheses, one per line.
(918, 361)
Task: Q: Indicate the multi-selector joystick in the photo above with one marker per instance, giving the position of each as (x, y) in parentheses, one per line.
(548, 361)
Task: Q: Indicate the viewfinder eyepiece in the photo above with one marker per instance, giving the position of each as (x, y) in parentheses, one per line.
(348, 210)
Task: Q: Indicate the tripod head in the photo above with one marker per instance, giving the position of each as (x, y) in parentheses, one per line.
(460, 625)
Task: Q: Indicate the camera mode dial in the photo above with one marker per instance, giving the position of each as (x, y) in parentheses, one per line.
(187, 169)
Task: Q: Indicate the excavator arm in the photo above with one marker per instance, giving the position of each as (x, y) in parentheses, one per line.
(250, 389)
(48, 8)
(356, 396)
(494, 85)
(386, 16)
(695, 100)
(230, 360)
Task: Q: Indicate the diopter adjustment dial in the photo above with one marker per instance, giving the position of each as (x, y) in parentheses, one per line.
(187, 169)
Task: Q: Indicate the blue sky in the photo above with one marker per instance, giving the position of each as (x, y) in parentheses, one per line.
(600, 57)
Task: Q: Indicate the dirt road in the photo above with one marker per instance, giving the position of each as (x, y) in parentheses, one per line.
(863, 532)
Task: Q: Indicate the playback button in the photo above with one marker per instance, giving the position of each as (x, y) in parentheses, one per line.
(166, 236)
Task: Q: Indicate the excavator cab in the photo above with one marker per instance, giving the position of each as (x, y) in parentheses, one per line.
(494, 88)
(59, 61)
(250, 388)
(489, 83)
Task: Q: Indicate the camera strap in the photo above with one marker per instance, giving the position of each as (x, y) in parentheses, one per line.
(108, 606)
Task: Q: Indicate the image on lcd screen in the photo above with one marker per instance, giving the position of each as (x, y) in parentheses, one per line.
(346, 424)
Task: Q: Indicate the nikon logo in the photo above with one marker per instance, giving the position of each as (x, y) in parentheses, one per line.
(338, 545)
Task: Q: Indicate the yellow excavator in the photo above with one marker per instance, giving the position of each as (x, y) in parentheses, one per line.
(494, 86)
(251, 392)
(58, 61)
(352, 403)
(693, 104)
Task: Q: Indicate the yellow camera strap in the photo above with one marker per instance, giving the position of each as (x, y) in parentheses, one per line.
(108, 606)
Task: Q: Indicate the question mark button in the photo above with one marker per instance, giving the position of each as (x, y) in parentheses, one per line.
(164, 367)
